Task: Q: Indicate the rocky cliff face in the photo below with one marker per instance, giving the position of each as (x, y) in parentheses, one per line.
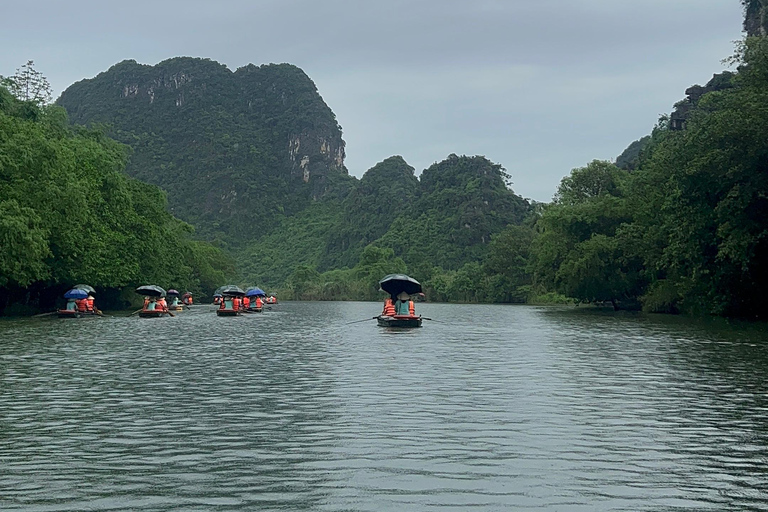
(230, 148)
(755, 17)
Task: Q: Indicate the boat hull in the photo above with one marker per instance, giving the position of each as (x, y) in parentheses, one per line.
(255, 310)
(151, 313)
(227, 312)
(175, 308)
(400, 321)
(65, 313)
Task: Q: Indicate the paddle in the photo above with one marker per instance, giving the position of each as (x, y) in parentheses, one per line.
(170, 313)
(359, 321)
(142, 309)
(431, 320)
(45, 314)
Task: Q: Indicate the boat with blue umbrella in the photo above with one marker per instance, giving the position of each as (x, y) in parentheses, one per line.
(256, 296)
(71, 310)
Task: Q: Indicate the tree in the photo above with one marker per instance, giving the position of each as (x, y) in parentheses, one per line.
(28, 84)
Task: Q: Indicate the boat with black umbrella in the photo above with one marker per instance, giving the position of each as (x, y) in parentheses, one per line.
(230, 301)
(153, 307)
(253, 293)
(399, 287)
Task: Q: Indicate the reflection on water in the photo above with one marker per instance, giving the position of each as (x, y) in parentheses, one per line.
(485, 408)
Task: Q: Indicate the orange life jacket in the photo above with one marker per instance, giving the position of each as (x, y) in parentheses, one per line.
(258, 302)
(81, 305)
(236, 303)
(411, 308)
(89, 304)
(246, 302)
(190, 300)
(389, 308)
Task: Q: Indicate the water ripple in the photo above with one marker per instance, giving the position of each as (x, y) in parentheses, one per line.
(487, 408)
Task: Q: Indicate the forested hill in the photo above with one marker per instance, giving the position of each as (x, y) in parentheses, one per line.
(233, 150)
(254, 159)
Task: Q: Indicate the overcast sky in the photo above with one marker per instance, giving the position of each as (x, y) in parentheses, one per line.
(538, 86)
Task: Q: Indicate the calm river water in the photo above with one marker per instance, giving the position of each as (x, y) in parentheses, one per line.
(491, 408)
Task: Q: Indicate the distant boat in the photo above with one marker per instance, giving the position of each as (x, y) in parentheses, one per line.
(405, 321)
(229, 292)
(151, 290)
(71, 310)
(395, 284)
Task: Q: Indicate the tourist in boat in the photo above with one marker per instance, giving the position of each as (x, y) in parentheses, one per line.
(82, 305)
(187, 299)
(404, 305)
(259, 302)
(236, 303)
(89, 305)
(246, 303)
(389, 307)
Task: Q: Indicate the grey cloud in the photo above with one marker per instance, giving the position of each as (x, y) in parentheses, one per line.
(540, 87)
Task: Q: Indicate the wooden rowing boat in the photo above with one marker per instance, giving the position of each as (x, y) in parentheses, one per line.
(152, 313)
(227, 312)
(403, 321)
(176, 308)
(69, 313)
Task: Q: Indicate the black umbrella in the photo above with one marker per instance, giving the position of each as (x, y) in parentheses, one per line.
(86, 287)
(150, 290)
(173, 292)
(394, 284)
(231, 289)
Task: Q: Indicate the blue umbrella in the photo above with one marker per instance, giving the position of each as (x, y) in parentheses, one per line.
(255, 292)
(76, 293)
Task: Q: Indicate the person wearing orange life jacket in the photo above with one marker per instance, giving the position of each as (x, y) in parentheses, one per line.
(236, 304)
(246, 303)
(259, 303)
(162, 304)
(389, 307)
(89, 307)
(82, 305)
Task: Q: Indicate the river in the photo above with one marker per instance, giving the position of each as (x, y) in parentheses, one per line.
(485, 408)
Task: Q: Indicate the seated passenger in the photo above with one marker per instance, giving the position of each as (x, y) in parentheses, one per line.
(389, 307)
(403, 305)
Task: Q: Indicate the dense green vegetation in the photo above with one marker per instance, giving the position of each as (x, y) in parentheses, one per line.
(236, 152)
(69, 214)
(688, 229)
(254, 159)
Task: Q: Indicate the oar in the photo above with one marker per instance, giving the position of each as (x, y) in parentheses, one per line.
(359, 321)
(45, 314)
(142, 309)
(170, 313)
(431, 320)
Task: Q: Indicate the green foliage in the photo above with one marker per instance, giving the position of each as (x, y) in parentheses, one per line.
(629, 160)
(235, 151)
(580, 251)
(68, 213)
(28, 85)
(686, 230)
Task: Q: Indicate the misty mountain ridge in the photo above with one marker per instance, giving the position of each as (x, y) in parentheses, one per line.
(254, 159)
